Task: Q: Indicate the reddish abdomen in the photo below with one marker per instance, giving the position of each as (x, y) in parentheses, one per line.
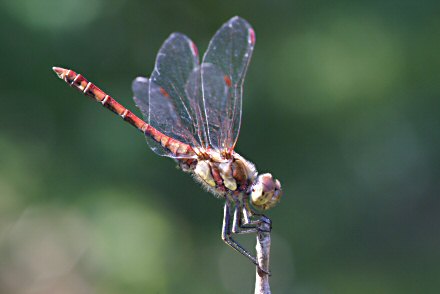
(82, 84)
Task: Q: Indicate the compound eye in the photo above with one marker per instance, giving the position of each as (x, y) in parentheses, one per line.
(263, 190)
(266, 192)
(267, 182)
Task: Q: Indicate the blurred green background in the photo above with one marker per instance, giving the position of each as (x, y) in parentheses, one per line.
(341, 104)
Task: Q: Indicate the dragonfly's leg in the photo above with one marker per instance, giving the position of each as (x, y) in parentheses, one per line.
(263, 223)
(226, 234)
(241, 223)
(249, 222)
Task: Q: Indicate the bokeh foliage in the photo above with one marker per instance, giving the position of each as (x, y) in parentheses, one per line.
(341, 104)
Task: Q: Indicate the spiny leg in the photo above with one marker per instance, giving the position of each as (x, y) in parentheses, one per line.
(246, 221)
(241, 223)
(226, 234)
(238, 228)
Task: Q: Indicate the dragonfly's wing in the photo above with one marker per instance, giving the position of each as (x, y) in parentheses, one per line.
(230, 51)
(208, 90)
(140, 87)
(163, 99)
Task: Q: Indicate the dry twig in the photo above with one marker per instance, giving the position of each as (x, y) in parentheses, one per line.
(263, 254)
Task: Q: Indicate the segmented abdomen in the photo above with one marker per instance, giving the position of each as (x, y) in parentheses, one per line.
(79, 82)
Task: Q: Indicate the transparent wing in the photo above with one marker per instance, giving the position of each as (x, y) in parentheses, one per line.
(215, 95)
(140, 87)
(194, 92)
(210, 97)
(230, 51)
(163, 99)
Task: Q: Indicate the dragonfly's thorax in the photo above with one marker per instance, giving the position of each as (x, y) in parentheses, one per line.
(224, 176)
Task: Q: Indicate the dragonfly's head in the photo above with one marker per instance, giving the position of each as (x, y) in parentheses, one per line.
(266, 192)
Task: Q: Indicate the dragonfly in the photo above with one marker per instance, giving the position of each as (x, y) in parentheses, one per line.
(192, 114)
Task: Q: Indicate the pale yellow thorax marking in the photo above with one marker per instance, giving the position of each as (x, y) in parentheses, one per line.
(225, 169)
(203, 170)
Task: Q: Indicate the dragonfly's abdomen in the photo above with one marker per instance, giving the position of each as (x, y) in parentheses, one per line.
(79, 82)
